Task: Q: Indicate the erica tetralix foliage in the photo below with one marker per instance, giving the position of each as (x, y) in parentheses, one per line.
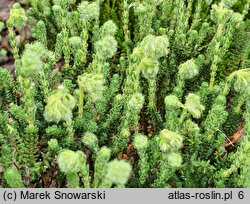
(127, 93)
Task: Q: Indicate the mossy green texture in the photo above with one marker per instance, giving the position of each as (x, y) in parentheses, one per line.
(127, 94)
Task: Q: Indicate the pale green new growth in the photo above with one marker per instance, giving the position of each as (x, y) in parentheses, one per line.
(100, 165)
(106, 47)
(88, 11)
(193, 105)
(92, 85)
(242, 79)
(64, 2)
(140, 142)
(125, 93)
(174, 159)
(172, 100)
(53, 144)
(75, 43)
(13, 178)
(69, 161)
(188, 70)
(32, 60)
(59, 106)
(169, 141)
(91, 141)
(17, 17)
(155, 47)
(109, 28)
(136, 102)
(150, 67)
(220, 14)
(118, 173)
(229, 3)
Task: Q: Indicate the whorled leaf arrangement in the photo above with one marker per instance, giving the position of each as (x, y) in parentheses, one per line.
(127, 94)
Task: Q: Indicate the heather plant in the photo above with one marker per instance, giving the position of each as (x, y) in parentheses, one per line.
(127, 94)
